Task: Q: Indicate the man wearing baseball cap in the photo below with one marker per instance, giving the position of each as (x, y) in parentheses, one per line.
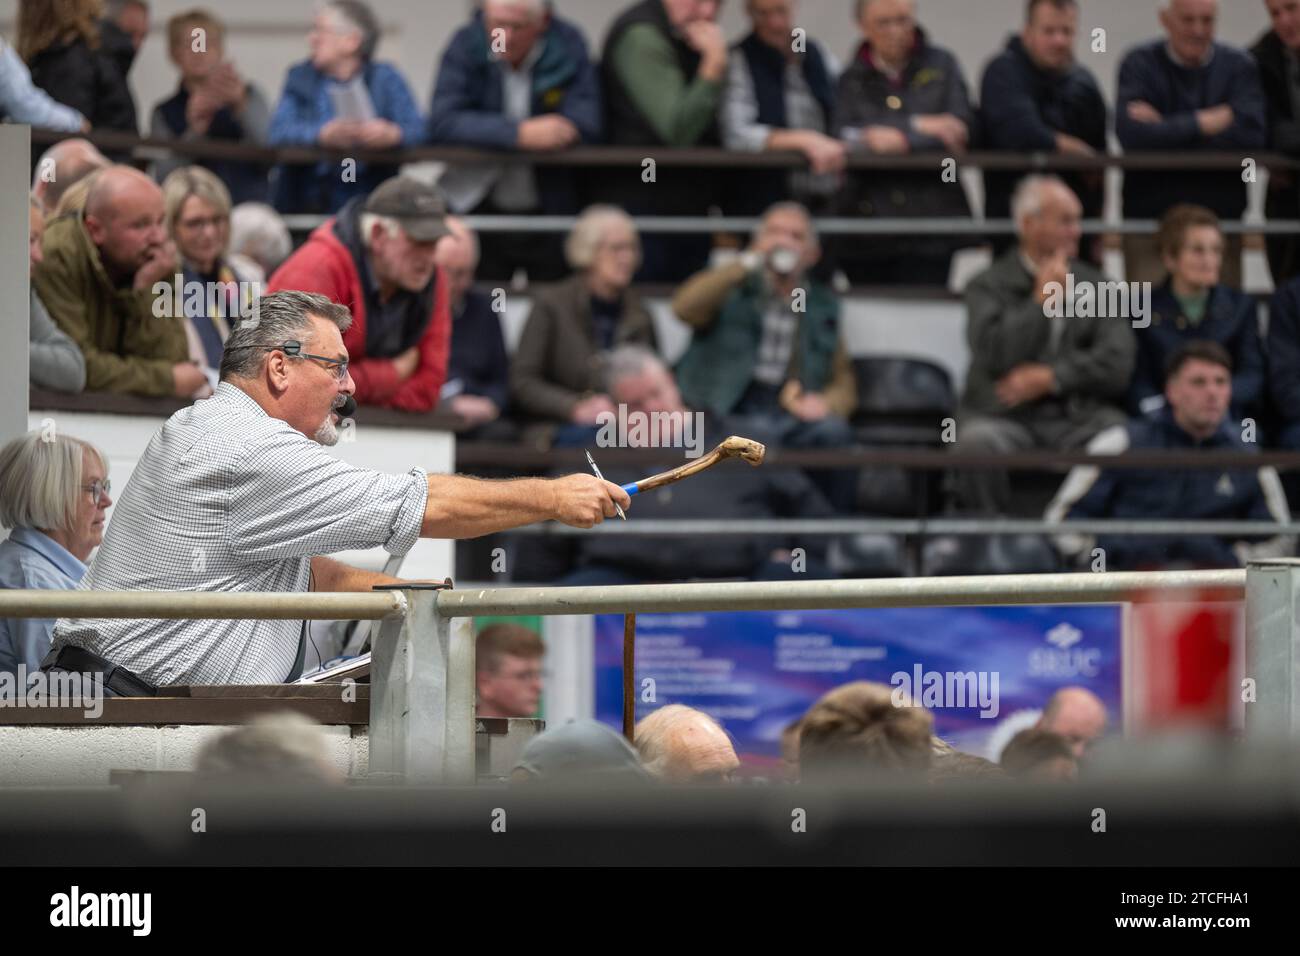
(377, 258)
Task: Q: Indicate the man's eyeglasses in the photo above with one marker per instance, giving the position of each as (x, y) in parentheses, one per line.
(337, 367)
(98, 489)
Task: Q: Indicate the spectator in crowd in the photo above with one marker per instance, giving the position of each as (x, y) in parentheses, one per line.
(767, 347)
(212, 102)
(637, 379)
(1076, 714)
(54, 359)
(97, 281)
(1276, 54)
(1040, 755)
(780, 96)
(197, 205)
(1283, 363)
(508, 670)
(555, 375)
(1193, 304)
(274, 749)
(1198, 391)
(1185, 92)
(900, 94)
(259, 239)
(857, 732)
(582, 752)
(478, 371)
(377, 258)
(541, 93)
(54, 493)
(1037, 379)
(61, 167)
(21, 101)
(125, 27)
(60, 43)
(340, 99)
(1036, 98)
(682, 745)
(663, 72)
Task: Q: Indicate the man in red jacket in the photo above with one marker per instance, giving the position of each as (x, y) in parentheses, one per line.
(377, 258)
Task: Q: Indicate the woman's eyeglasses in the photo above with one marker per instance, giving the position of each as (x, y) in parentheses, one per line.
(98, 489)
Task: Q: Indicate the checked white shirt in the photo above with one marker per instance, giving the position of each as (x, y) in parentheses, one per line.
(227, 498)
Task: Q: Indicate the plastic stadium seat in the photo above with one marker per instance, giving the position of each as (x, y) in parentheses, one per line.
(988, 554)
(901, 400)
(869, 556)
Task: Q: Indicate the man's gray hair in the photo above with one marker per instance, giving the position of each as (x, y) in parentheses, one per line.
(369, 220)
(590, 230)
(536, 7)
(655, 733)
(1027, 200)
(277, 318)
(259, 232)
(361, 18)
(789, 205)
(627, 361)
(41, 479)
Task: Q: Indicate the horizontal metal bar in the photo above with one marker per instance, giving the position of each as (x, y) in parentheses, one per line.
(811, 527)
(832, 226)
(1102, 588)
(194, 605)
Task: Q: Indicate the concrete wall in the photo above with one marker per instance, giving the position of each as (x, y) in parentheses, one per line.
(85, 755)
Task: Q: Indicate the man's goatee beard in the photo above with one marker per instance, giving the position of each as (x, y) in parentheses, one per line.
(327, 434)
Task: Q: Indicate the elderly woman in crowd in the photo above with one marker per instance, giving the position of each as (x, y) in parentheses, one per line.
(556, 374)
(54, 492)
(197, 206)
(54, 359)
(1193, 303)
(341, 99)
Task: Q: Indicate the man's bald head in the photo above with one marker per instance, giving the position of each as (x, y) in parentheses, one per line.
(1077, 714)
(679, 744)
(124, 218)
(62, 166)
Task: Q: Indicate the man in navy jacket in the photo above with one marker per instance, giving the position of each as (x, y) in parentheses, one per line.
(1186, 92)
(1036, 99)
(1198, 393)
(516, 78)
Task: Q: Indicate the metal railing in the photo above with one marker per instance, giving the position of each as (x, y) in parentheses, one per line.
(422, 665)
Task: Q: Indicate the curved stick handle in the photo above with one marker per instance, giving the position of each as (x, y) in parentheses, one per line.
(745, 449)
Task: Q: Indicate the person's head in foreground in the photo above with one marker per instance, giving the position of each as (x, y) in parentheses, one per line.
(856, 734)
(290, 358)
(679, 744)
(508, 670)
(57, 485)
(1040, 755)
(273, 749)
(1078, 715)
(1198, 387)
(1048, 217)
(583, 752)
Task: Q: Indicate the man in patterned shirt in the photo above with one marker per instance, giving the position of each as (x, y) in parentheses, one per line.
(235, 493)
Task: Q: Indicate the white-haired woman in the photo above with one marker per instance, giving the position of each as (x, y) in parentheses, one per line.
(54, 492)
(197, 207)
(556, 373)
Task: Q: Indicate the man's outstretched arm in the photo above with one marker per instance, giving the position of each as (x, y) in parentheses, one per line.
(460, 507)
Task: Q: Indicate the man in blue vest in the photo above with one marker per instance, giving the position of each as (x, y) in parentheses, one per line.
(780, 97)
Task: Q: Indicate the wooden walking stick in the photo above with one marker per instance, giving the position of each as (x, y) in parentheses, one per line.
(746, 449)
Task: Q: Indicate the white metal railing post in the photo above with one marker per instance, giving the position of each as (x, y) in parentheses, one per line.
(1272, 648)
(422, 696)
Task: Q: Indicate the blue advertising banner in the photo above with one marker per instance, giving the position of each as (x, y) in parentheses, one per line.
(982, 671)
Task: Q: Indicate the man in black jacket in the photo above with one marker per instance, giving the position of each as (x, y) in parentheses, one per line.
(901, 95)
(1036, 99)
(1278, 56)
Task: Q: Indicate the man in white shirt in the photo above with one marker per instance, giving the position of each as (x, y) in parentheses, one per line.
(235, 493)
